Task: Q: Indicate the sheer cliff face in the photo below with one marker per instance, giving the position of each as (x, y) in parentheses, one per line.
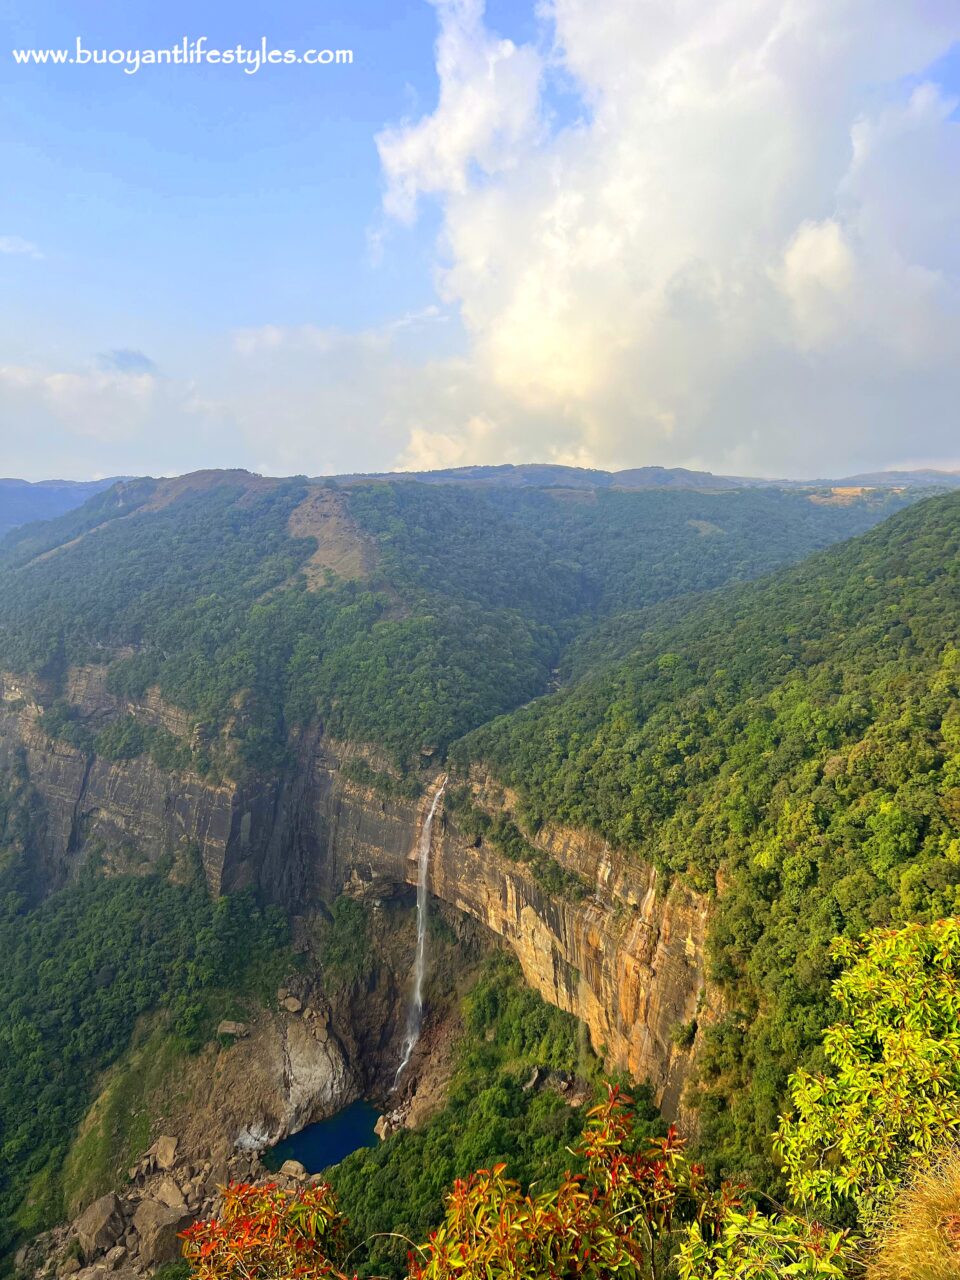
(627, 958)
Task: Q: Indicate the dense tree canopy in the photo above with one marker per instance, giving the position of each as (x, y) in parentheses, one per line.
(793, 741)
(197, 590)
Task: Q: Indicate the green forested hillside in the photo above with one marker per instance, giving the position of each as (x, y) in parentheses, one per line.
(471, 602)
(795, 743)
(79, 968)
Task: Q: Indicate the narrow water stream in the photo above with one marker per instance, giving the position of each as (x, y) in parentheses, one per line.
(415, 1014)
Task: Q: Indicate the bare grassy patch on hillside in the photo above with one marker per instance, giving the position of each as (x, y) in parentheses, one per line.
(341, 547)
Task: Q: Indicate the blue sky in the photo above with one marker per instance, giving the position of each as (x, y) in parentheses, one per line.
(505, 232)
(207, 192)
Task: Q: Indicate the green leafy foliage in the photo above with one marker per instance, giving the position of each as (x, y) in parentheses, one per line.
(345, 951)
(126, 738)
(196, 590)
(636, 1206)
(892, 1097)
(555, 555)
(406, 787)
(747, 1245)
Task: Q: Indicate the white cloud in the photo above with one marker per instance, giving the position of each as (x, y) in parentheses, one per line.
(101, 404)
(17, 245)
(486, 116)
(816, 275)
(737, 250)
(746, 255)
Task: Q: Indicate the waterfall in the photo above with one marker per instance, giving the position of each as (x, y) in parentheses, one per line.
(423, 879)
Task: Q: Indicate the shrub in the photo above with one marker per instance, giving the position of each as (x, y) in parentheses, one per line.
(742, 1244)
(265, 1233)
(893, 1098)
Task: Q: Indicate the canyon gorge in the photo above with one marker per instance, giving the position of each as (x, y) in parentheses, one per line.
(626, 956)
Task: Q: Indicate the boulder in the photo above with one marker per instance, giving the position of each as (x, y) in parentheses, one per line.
(535, 1077)
(383, 1128)
(100, 1226)
(236, 1029)
(71, 1266)
(116, 1256)
(169, 1193)
(292, 1004)
(164, 1152)
(293, 1169)
(157, 1227)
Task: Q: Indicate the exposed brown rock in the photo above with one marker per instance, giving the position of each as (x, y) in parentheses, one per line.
(235, 1029)
(157, 1227)
(627, 958)
(168, 1193)
(164, 1152)
(100, 1226)
(342, 548)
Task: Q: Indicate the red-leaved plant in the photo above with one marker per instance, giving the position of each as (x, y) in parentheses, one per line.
(265, 1233)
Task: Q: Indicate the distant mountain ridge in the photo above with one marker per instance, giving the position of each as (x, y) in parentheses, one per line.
(23, 501)
(551, 475)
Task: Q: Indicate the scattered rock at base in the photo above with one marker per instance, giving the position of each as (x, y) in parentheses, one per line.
(292, 1004)
(293, 1169)
(169, 1193)
(236, 1029)
(100, 1226)
(535, 1077)
(158, 1227)
(164, 1152)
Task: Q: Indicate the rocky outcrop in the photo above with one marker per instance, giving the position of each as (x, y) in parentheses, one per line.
(140, 1229)
(627, 958)
(286, 1072)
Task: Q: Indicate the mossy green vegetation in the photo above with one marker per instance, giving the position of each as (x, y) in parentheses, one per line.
(393, 786)
(797, 737)
(344, 946)
(118, 1128)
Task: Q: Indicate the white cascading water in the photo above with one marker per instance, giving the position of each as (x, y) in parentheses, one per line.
(423, 879)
